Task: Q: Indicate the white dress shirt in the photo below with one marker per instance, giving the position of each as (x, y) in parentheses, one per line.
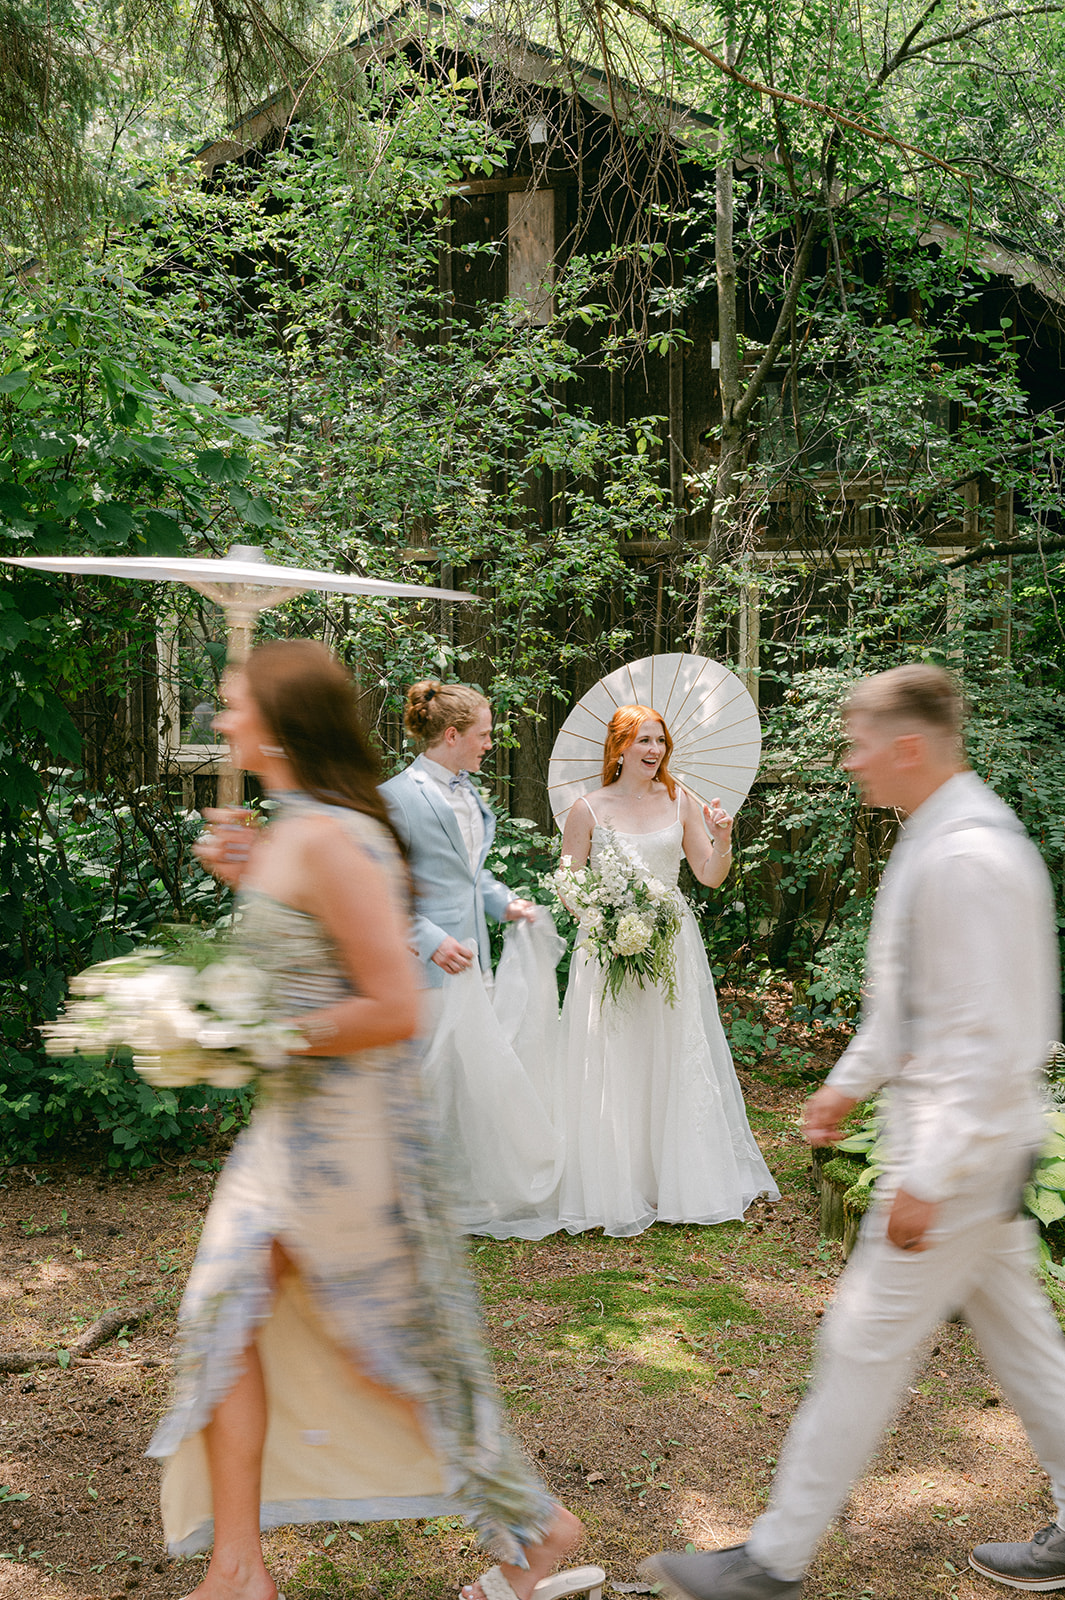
(961, 1000)
(463, 803)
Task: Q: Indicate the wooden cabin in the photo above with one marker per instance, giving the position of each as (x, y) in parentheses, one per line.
(576, 182)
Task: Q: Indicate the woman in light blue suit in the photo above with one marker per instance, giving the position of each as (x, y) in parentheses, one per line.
(448, 830)
(490, 1054)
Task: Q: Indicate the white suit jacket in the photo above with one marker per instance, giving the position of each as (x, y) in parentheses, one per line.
(450, 896)
(961, 1000)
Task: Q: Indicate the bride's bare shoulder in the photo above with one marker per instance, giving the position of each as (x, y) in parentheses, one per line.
(586, 808)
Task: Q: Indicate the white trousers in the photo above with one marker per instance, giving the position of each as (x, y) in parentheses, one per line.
(888, 1302)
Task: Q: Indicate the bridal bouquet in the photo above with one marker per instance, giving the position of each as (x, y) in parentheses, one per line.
(183, 1026)
(629, 920)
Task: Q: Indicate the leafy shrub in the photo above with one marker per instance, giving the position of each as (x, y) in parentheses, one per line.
(521, 856)
(89, 1108)
(809, 852)
(110, 875)
(859, 1161)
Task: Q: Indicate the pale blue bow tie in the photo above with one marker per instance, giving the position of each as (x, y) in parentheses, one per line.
(461, 780)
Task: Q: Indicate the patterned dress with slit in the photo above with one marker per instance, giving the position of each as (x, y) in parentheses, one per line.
(380, 1399)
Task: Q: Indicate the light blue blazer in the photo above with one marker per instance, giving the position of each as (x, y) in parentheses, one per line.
(450, 896)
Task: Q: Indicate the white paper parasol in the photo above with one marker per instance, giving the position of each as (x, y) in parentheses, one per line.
(717, 738)
(243, 583)
(242, 567)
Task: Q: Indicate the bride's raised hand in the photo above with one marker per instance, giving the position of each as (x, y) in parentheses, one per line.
(718, 826)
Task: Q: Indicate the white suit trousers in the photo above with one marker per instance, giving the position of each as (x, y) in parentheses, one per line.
(888, 1302)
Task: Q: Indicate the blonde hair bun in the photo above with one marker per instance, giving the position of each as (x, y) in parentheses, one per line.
(432, 707)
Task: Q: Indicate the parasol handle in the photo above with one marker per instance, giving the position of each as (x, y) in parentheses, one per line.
(242, 603)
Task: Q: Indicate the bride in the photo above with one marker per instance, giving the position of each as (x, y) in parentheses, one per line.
(655, 1125)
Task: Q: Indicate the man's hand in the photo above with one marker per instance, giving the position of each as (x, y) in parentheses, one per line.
(450, 956)
(520, 911)
(910, 1220)
(823, 1113)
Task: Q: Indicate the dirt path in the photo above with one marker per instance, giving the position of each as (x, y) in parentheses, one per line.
(651, 1379)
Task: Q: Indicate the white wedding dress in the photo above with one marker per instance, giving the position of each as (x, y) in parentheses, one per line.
(654, 1122)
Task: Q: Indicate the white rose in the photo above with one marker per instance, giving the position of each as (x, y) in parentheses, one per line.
(234, 990)
(170, 1069)
(163, 1028)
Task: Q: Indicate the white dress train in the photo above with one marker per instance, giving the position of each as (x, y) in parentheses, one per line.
(654, 1123)
(492, 1067)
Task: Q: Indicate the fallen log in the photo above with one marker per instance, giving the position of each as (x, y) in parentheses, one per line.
(91, 1338)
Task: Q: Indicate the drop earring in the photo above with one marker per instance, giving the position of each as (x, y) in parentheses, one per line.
(621, 763)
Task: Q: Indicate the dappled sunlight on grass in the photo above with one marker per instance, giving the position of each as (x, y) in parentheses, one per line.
(658, 1301)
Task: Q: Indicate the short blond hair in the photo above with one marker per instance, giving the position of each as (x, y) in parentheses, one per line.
(917, 692)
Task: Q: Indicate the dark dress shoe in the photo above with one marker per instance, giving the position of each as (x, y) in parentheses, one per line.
(718, 1575)
(1038, 1565)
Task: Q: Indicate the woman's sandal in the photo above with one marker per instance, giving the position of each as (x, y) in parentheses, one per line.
(577, 1580)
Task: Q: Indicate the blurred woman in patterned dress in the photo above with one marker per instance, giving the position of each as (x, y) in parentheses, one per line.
(330, 1362)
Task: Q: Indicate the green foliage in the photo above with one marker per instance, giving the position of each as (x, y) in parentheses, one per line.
(860, 1160)
(104, 882)
(810, 853)
(417, 434)
(391, 428)
(86, 89)
(521, 856)
(103, 447)
(54, 1109)
(1044, 1196)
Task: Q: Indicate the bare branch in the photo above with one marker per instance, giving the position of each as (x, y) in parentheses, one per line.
(678, 35)
(779, 336)
(98, 1333)
(903, 50)
(968, 31)
(999, 549)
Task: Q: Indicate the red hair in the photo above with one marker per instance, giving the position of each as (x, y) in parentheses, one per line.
(623, 728)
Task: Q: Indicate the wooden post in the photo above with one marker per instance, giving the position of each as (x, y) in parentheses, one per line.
(676, 434)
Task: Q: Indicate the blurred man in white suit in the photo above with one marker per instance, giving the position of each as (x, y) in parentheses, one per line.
(962, 1004)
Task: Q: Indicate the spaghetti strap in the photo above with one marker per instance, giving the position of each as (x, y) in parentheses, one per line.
(588, 803)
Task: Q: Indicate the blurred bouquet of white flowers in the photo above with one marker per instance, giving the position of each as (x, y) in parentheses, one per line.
(629, 921)
(182, 1026)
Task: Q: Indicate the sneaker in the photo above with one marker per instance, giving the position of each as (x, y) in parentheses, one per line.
(1039, 1565)
(717, 1575)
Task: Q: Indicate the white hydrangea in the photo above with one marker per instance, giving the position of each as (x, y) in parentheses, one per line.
(633, 935)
